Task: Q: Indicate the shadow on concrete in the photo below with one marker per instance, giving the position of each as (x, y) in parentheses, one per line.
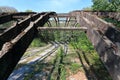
(95, 71)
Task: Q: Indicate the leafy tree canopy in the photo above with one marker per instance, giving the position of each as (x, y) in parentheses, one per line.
(28, 10)
(106, 5)
(7, 9)
(87, 8)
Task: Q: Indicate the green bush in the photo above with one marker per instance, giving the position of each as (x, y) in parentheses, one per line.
(113, 21)
(37, 43)
(81, 42)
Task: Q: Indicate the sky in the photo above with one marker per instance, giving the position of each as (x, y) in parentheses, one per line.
(59, 6)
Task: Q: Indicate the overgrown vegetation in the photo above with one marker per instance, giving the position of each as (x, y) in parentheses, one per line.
(81, 42)
(83, 51)
(113, 21)
(81, 58)
(88, 55)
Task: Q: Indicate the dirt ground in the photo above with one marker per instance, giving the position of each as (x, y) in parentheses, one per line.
(78, 76)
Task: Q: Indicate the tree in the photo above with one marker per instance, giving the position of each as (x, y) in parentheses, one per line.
(7, 9)
(106, 5)
(87, 8)
(115, 5)
(100, 5)
(28, 10)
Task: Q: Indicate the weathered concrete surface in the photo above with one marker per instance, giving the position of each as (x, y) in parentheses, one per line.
(105, 39)
(113, 15)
